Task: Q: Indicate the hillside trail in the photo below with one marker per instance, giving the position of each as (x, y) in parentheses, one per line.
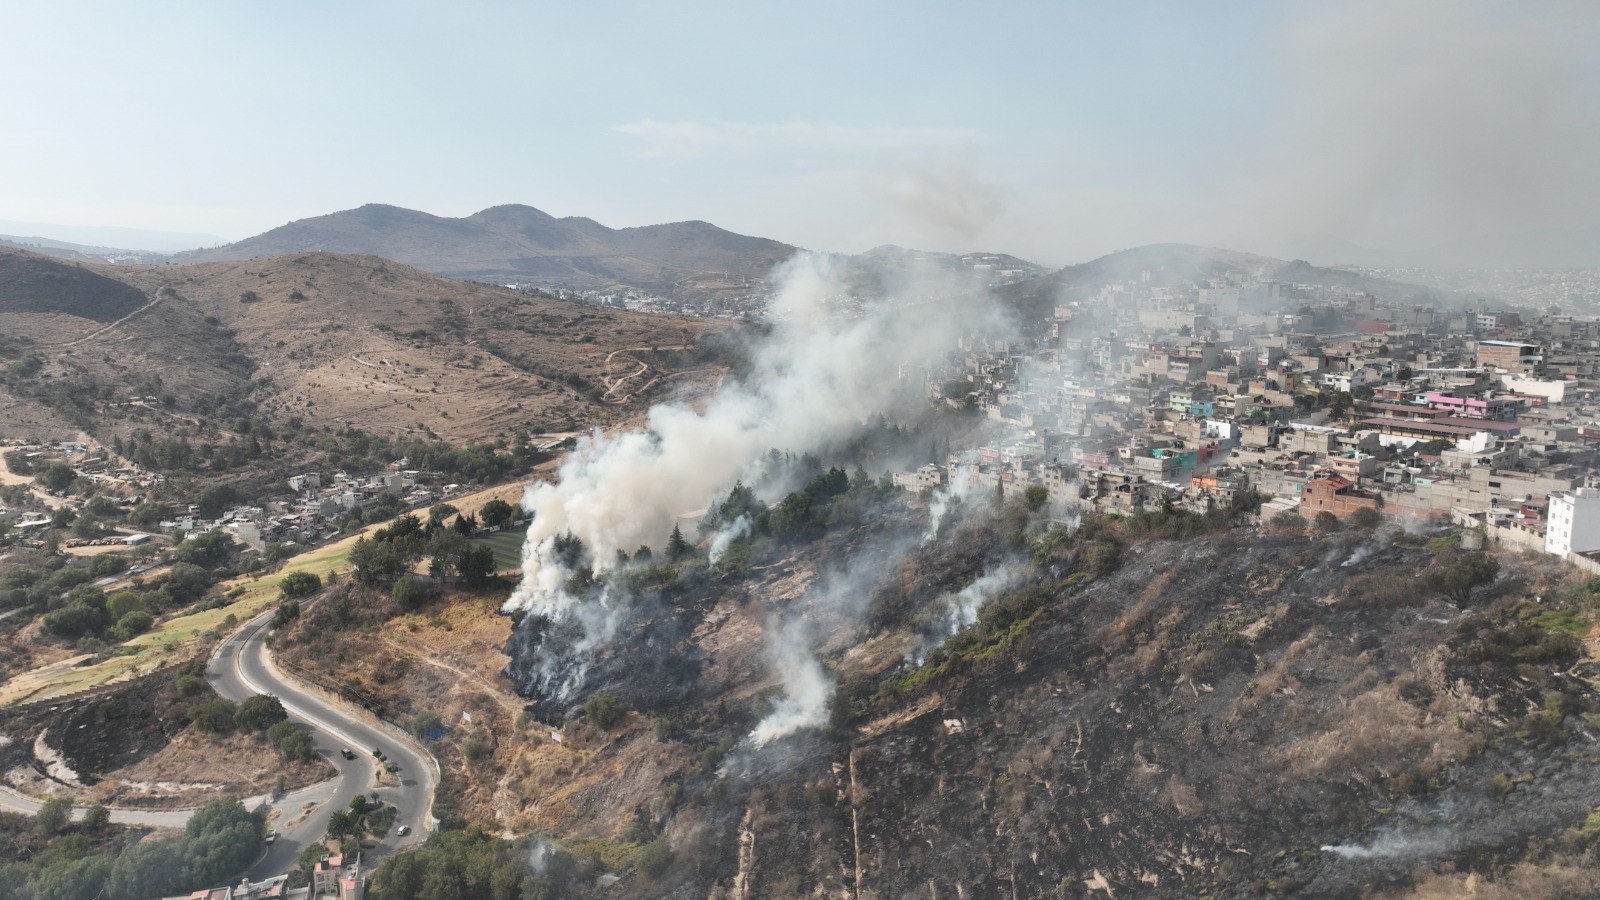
(96, 333)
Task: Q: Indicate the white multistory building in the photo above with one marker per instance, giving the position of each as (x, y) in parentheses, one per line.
(1573, 523)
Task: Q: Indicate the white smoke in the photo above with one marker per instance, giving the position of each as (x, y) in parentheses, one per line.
(938, 507)
(816, 379)
(806, 687)
(726, 537)
(954, 612)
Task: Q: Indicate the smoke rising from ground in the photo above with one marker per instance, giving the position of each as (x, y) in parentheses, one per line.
(816, 379)
(806, 687)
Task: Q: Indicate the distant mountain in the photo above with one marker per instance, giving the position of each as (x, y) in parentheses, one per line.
(1179, 264)
(1543, 249)
(109, 239)
(520, 243)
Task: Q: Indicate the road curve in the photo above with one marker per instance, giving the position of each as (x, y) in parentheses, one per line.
(241, 667)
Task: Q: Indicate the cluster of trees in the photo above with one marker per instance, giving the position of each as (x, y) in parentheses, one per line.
(77, 610)
(394, 550)
(468, 865)
(220, 840)
(366, 814)
(359, 451)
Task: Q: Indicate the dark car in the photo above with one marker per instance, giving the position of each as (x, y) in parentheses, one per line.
(347, 753)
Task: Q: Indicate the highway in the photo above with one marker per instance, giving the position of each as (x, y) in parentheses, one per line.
(240, 668)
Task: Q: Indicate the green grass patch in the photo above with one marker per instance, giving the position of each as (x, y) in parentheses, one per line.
(507, 546)
(1563, 621)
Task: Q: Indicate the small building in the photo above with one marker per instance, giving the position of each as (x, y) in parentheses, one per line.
(1573, 522)
(1333, 493)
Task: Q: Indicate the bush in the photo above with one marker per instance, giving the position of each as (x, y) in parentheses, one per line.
(293, 742)
(424, 724)
(133, 624)
(213, 716)
(496, 512)
(260, 713)
(411, 593)
(653, 858)
(299, 584)
(53, 815)
(605, 710)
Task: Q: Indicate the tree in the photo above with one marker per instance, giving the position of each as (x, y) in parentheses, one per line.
(1404, 373)
(53, 815)
(677, 547)
(1035, 496)
(465, 525)
(214, 498)
(1458, 572)
(299, 584)
(187, 582)
(57, 476)
(208, 550)
(438, 512)
(1340, 405)
(423, 724)
(496, 512)
(213, 715)
(96, 818)
(411, 593)
(604, 710)
(135, 623)
(477, 566)
(260, 713)
(293, 742)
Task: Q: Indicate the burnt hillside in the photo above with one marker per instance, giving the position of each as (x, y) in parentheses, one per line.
(1165, 705)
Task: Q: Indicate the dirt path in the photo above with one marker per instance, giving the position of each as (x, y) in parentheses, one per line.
(96, 333)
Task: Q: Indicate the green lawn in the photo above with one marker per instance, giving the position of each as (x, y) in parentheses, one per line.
(507, 548)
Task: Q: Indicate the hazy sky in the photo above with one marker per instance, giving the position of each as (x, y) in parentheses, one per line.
(1054, 130)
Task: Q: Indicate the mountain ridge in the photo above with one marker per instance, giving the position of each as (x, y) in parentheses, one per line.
(516, 242)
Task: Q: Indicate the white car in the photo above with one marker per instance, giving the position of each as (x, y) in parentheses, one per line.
(403, 830)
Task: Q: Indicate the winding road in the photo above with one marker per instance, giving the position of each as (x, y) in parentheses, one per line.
(240, 668)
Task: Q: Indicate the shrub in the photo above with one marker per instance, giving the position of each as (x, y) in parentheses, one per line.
(293, 742)
(411, 593)
(605, 710)
(260, 713)
(424, 724)
(299, 584)
(134, 623)
(212, 716)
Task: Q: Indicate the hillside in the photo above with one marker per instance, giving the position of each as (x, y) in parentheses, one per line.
(520, 243)
(321, 341)
(1154, 706)
(1179, 264)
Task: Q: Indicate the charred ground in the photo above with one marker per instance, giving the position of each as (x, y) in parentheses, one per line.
(1162, 706)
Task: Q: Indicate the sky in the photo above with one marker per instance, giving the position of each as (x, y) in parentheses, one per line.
(1056, 131)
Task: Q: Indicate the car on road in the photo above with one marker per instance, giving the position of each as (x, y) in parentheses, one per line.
(403, 830)
(271, 836)
(347, 753)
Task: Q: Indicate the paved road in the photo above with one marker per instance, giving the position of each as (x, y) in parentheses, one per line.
(241, 667)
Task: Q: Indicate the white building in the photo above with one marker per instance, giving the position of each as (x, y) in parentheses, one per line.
(1574, 522)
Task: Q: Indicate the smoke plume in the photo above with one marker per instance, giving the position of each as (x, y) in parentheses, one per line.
(726, 537)
(806, 687)
(820, 375)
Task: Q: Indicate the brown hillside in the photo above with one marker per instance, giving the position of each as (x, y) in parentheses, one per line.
(340, 340)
